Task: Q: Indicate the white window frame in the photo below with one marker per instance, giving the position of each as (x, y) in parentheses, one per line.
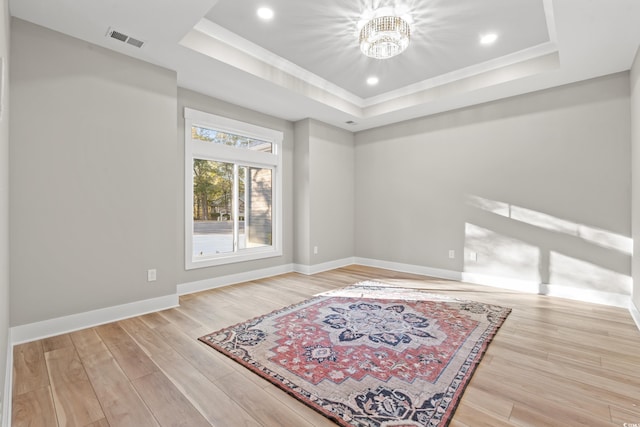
(194, 148)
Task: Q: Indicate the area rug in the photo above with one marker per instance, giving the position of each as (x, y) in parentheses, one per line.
(370, 355)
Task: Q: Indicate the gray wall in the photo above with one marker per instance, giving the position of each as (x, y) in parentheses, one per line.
(537, 185)
(4, 197)
(332, 191)
(187, 98)
(93, 176)
(635, 165)
(302, 200)
(324, 191)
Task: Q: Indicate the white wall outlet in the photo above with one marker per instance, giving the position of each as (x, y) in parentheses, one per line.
(473, 256)
(452, 254)
(315, 250)
(151, 275)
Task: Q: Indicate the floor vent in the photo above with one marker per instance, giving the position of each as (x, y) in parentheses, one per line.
(124, 38)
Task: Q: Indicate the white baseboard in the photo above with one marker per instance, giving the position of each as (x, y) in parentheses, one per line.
(231, 279)
(410, 268)
(5, 418)
(74, 322)
(528, 286)
(245, 276)
(325, 266)
(549, 289)
(585, 295)
(635, 313)
(57, 326)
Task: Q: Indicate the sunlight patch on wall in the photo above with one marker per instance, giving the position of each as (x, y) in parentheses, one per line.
(582, 275)
(500, 255)
(552, 255)
(593, 235)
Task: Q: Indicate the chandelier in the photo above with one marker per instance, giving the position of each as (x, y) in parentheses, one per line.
(384, 35)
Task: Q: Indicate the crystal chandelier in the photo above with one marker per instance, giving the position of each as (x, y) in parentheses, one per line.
(385, 35)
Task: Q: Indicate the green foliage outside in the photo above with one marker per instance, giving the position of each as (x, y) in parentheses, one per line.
(212, 189)
(238, 141)
(213, 181)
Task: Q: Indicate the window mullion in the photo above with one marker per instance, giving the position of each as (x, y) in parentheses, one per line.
(234, 207)
(221, 145)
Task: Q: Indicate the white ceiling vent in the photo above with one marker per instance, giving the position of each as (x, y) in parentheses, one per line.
(124, 38)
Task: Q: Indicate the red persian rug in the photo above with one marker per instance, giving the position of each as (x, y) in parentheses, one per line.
(369, 355)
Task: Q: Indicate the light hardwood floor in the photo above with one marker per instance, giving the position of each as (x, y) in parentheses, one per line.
(554, 362)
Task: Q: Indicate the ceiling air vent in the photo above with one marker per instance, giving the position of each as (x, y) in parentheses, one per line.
(124, 38)
(350, 122)
(135, 42)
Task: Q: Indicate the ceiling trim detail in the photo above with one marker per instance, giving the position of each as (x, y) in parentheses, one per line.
(218, 43)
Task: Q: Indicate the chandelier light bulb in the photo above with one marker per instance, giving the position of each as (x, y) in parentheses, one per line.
(384, 35)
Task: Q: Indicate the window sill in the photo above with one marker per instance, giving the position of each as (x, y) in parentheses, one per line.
(203, 262)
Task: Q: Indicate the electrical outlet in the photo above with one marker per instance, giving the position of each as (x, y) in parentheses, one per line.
(315, 250)
(452, 254)
(473, 256)
(151, 275)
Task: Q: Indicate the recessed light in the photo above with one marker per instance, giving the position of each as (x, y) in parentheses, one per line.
(265, 13)
(372, 81)
(489, 38)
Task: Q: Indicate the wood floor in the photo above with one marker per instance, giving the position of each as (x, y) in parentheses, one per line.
(554, 362)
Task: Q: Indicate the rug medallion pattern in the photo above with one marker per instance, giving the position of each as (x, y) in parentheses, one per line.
(380, 357)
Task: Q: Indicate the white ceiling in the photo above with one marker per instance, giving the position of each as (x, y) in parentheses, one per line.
(306, 61)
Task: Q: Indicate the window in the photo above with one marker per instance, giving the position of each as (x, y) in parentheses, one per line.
(233, 190)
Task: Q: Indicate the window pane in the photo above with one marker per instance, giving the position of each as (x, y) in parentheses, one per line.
(258, 199)
(233, 184)
(212, 207)
(238, 141)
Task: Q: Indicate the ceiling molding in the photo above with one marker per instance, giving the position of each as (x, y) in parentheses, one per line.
(556, 42)
(216, 42)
